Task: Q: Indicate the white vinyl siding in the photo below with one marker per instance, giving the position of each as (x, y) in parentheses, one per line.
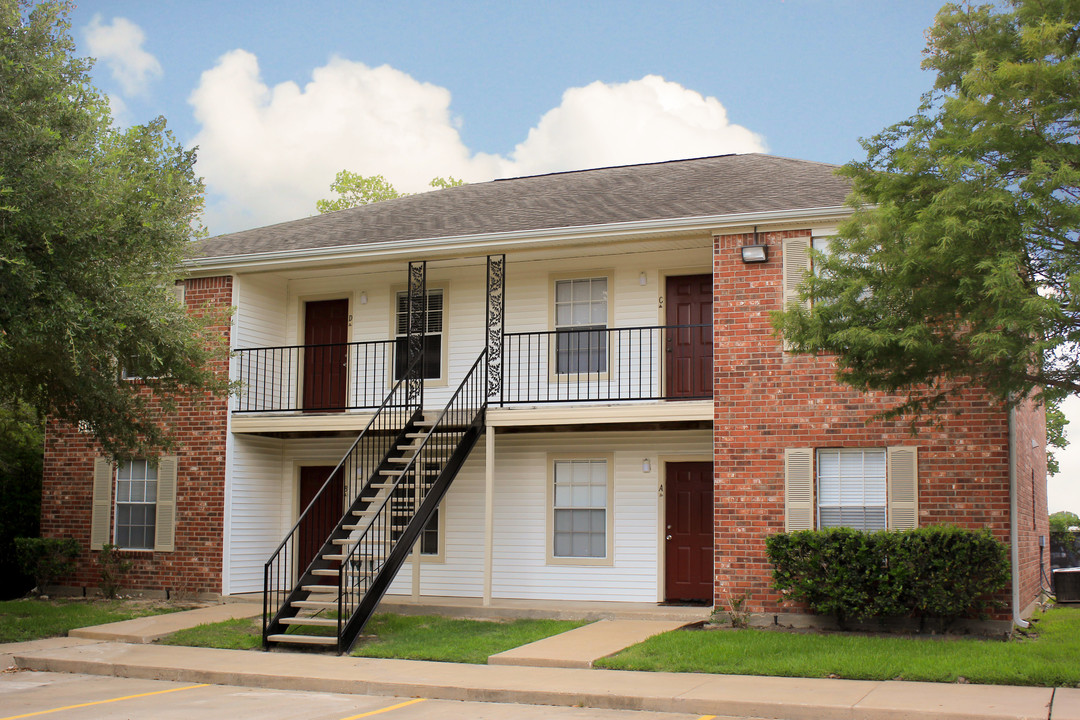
(521, 542)
(851, 488)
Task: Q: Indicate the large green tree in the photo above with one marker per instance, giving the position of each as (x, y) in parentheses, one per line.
(354, 189)
(94, 221)
(961, 264)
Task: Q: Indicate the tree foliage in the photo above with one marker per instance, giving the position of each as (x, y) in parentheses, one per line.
(93, 226)
(22, 435)
(961, 263)
(354, 189)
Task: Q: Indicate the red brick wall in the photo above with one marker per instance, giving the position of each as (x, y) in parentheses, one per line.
(200, 429)
(1033, 515)
(767, 400)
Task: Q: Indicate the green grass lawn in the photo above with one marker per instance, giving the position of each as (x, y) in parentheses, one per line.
(239, 634)
(426, 637)
(409, 637)
(1048, 658)
(31, 619)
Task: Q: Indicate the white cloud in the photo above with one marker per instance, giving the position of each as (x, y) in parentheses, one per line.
(268, 154)
(641, 121)
(119, 45)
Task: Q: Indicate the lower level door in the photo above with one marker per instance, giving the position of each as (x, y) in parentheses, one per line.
(323, 516)
(688, 517)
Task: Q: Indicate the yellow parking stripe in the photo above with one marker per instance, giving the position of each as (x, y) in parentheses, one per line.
(707, 717)
(102, 702)
(373, 712)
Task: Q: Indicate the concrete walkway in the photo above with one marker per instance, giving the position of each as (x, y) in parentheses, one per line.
(153, 627)
(580, 647)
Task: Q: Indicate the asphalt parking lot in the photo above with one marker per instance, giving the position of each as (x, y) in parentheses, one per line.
(60, 695)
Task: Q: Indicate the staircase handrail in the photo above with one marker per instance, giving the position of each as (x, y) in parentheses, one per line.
(344, 457)
(412, 405)
(410, 468)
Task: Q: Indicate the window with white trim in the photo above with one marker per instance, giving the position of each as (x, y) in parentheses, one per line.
(852, 488)
(581, 305)
(580, 508)
(136, 505)
(433, 337)
(429, 536)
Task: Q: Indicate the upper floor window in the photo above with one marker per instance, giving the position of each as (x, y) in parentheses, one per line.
(581, 306)
(433, 338)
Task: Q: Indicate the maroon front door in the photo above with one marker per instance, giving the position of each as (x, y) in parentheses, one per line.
(326, 332)
(323, 517)
(688, 516)
(689, 350)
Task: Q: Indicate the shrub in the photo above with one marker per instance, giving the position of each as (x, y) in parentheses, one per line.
(46, 559)
(932, 572)
(113, 569)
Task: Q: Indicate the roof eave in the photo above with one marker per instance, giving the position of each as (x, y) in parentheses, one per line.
(507, 240)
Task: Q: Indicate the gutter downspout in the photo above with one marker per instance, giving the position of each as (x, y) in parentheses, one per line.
(1014, 535)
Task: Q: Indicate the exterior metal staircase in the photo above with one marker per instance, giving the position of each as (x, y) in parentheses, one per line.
(394, 477)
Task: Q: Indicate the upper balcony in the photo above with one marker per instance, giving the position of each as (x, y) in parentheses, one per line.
(593, 367)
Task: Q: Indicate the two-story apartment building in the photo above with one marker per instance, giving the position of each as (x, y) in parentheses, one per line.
(565, 387)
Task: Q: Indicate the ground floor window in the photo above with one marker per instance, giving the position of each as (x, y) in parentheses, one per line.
(580, 522)
(136, 505)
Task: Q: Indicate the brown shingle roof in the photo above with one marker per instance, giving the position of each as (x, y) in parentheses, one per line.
(721, 185)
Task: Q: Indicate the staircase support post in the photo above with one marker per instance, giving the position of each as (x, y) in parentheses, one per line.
(496, 316)
(416, 328)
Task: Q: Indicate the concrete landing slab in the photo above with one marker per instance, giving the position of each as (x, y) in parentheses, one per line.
(150, 628)
(1066, 704)
(580, 647)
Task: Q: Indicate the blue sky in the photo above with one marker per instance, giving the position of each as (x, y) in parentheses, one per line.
(279, 96)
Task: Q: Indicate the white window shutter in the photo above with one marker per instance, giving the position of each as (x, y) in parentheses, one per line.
(903, 488)
(798, 489)
(101, 505)
(796, 267)
(166, 505)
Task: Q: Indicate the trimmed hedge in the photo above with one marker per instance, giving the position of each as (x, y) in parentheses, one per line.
(942, 572)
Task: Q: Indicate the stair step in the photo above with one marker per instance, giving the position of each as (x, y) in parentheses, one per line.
(312, 621)
(321, 589)
(339, 558)
(314, 604)
(304, 639)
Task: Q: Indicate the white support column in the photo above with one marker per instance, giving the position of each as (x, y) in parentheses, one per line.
(489, 509)
(416, 572)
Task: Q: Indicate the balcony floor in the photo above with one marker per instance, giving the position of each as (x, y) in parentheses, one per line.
(512, 417)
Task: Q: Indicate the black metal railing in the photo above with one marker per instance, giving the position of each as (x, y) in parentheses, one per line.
(328, 377)
(295, 558)
(397, 520)
(607, 364)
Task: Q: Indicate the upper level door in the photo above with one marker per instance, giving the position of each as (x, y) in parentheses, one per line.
(689, 351)
(326, 356)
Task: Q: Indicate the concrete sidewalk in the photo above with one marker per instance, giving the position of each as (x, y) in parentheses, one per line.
(759, 697)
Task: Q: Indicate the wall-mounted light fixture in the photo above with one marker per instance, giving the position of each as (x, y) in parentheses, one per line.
(363, 298)
(643, 279)
(755, 253)
(646, 466)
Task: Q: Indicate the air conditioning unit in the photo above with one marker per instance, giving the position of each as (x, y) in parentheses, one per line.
(1067, 584)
